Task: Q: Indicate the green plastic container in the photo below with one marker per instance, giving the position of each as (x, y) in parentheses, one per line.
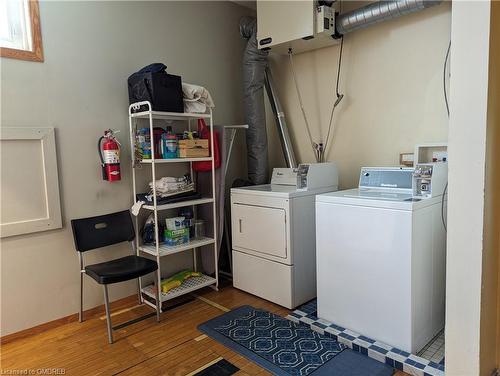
(176, 237)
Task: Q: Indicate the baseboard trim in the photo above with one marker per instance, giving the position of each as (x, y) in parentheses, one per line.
(89, 313)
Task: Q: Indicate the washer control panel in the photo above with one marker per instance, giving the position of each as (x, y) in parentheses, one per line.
(429, 179)
(422, 181)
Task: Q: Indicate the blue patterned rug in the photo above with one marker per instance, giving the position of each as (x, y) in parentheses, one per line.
(397, 358)
(287, 348)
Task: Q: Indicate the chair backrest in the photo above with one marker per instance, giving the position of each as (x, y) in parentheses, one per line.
(103, 230)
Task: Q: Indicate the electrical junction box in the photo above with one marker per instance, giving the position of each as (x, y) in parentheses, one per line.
(299, 25)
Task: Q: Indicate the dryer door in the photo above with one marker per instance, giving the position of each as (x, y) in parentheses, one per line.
(260, 229)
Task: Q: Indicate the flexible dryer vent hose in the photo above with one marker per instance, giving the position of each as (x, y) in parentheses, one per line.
(254, 70)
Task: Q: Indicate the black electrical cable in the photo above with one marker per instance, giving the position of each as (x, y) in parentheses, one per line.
(444, 80)
(442, 207)
(448, 112)
(339, 66)
(340, 58)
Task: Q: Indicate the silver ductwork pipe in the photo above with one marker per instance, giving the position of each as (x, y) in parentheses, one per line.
(286, 142)
(378, 12)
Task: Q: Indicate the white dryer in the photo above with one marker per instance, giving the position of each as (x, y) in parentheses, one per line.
(273, 234)
(381, 256)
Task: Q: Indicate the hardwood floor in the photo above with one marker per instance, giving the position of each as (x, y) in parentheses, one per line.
(172, 347)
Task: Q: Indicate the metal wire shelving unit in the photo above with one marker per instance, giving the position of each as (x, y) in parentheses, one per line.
(158, 250)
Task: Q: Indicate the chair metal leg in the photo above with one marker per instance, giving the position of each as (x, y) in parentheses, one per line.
(108, 316)
(80, 314)
(158, 303)
(139, 296)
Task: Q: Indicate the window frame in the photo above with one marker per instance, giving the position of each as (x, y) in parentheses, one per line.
(36, 54)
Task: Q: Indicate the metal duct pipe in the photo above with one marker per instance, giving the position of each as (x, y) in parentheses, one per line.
(378, 12)
(286, 143)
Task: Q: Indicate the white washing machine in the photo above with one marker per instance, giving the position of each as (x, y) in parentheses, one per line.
(381, 255)
(273, 234)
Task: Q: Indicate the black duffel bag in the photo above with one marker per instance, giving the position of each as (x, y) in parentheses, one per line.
(154, 84)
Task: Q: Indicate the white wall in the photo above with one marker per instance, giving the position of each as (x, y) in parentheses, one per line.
(90, 50)
(469, 293)
(392, 81)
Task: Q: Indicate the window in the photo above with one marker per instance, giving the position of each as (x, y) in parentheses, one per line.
(20, 36)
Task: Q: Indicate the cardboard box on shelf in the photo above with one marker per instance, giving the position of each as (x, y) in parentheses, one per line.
(196, 148)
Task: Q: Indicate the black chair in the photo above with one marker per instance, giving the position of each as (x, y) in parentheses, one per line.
(101, 231)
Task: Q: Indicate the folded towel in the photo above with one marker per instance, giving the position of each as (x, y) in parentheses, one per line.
(196, 98)
(195, 107)
(167, 186)
(187, 188)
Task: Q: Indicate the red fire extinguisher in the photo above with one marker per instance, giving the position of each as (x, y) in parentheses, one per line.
(109, 152)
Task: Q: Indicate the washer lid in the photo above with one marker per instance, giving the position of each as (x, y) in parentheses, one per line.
(279, 190)
(375, 194)
(380, 198)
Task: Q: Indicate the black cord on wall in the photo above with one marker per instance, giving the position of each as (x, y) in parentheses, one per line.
(444, 79)
(442, 208)
(448, 112)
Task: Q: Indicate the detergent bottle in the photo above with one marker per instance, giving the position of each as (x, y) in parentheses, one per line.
(169, 144)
